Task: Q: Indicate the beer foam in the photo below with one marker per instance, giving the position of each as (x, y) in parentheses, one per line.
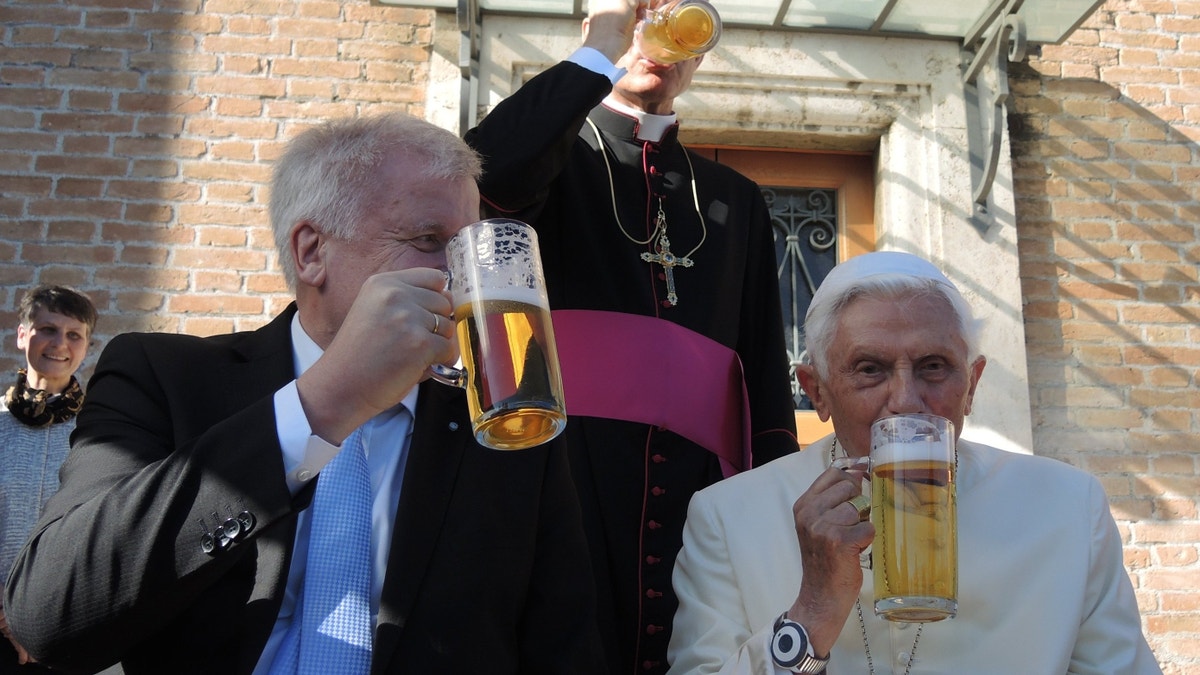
(529, 296)
(890, 452)
(911, 437)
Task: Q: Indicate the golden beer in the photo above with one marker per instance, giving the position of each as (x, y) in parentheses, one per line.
(678, 31)
(915, 552)
(514, 387)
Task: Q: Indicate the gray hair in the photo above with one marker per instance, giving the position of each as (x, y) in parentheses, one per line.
(821, 321)
(328, 173)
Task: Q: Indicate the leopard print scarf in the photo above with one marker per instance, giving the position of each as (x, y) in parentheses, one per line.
(38, 408)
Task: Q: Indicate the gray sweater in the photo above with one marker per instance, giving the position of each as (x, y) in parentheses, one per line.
(29, 461)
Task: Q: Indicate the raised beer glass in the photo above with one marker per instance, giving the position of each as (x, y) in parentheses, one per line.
(913, 508)
(678, 30)
(509, 360)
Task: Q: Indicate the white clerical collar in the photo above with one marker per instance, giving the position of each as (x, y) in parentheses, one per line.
(650, 127)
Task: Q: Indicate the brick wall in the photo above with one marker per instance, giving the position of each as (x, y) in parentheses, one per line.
(1104, 140)
(136, 139)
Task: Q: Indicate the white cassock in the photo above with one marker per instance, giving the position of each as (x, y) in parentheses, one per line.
(1042, 584)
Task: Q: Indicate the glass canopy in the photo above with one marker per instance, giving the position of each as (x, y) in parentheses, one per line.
(1045, 21)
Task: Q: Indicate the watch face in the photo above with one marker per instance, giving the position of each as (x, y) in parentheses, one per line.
(789, 646)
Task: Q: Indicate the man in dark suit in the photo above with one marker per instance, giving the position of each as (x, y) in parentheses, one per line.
(177, 543)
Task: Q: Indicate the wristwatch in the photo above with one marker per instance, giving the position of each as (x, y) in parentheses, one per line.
(790, 648)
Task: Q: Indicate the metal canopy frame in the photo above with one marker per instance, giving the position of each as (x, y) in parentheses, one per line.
(998, 38)
(999, 34)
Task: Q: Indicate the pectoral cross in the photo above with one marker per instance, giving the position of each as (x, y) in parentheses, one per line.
(668, 260)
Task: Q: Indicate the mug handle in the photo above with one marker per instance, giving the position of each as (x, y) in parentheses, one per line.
(448, 375)
(861, 464)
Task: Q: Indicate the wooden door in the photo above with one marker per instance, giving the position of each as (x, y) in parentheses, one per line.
(838, 193)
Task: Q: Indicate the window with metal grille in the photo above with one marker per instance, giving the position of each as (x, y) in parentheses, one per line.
(804, 221)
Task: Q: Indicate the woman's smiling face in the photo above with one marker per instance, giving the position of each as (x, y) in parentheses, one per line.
(55, 346)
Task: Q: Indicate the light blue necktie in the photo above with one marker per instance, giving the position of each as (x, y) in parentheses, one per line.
(331, 631)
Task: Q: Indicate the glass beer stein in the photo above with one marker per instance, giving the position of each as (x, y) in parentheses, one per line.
(913, 508)
(509, 359)
(678, 30)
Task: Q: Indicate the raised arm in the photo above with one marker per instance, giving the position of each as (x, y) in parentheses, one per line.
(526, 139)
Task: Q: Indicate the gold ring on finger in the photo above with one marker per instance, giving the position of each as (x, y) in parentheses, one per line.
(861, 504)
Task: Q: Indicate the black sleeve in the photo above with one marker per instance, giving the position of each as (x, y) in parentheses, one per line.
(119, 551)
(526, 139)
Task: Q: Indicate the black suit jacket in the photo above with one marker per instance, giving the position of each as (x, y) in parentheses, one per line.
(488, 570)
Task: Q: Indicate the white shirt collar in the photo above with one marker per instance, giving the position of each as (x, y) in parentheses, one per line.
(650, 127)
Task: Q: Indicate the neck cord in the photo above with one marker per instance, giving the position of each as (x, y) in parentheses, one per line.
(660, 222)
(862, 624)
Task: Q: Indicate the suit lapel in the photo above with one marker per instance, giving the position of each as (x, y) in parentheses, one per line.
(262, 365)
(269, 349)
(441, 435)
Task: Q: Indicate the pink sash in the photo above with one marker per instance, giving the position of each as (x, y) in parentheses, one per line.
(643, 369)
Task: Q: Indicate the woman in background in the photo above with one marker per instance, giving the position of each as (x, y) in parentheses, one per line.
(37, 416)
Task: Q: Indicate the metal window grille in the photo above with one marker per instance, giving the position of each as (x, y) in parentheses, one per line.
(804, 222)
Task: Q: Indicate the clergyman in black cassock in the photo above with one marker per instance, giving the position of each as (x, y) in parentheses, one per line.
(590, 165)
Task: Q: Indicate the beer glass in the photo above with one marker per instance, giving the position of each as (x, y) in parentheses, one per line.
(509, 360)
(678, 30)
(915, 552)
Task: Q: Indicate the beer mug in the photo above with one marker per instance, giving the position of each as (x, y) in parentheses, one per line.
(913, 507)
(509, 360)
(678, 30)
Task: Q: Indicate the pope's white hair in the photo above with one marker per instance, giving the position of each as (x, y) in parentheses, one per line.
(821, 322)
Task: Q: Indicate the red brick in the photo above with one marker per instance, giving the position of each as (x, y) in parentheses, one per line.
(140, 301)
(225, 281)
(39, 54)
(236, 127)
(142, 277)
(76, 208)
(206, 325)
(218, 304)
(237, 44)
(30, 96)
(53, 254)
(239, 107)
(343, 30)
(79, 231)
(241, 86)
(14, 14)
(212, 258)
(181, 104)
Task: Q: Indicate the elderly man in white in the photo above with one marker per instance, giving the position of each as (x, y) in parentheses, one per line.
(1042, 587)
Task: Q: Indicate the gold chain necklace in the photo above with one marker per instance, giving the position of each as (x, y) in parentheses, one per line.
(862, 624)
(658, 235)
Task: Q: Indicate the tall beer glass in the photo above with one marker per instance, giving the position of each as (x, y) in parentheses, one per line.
(678, 30)
(913, 508)
(510, 362)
